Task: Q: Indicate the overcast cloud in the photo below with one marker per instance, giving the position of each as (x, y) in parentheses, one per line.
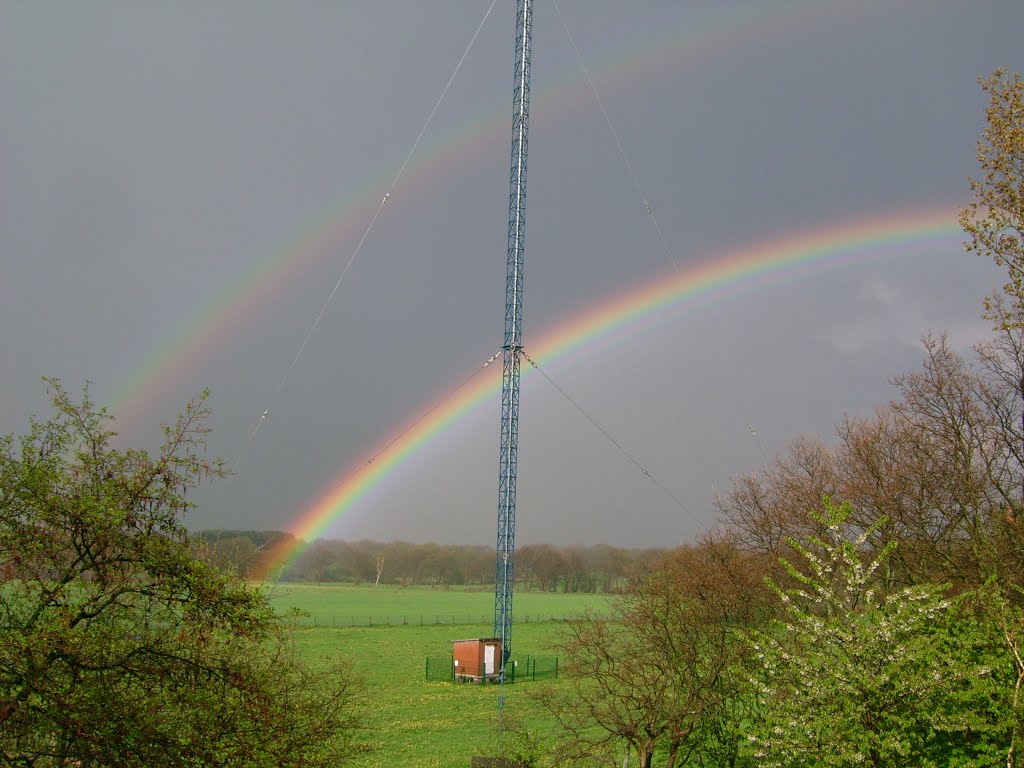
(154, 157)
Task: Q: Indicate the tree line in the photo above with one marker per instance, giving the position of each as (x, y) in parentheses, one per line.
(542, 567)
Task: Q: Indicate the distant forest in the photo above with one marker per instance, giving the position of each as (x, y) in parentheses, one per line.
(599, 568)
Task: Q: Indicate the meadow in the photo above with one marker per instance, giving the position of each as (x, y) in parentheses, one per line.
(367, 605)
(412, 722)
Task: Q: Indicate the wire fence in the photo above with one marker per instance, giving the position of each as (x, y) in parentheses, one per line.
(396, 620)
(534, 668)
(441, 669)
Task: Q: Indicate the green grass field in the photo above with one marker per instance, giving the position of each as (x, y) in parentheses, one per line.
(412, 722)
(346, 605)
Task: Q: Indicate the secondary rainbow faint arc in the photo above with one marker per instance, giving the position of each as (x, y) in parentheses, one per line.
(887, 236)
(339, 224)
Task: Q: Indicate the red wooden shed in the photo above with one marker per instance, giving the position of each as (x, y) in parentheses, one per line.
(477, 660)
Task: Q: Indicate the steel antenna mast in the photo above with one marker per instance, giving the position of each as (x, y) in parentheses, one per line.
(505, 572)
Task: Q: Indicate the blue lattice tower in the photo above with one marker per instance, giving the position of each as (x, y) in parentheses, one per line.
(505, 573)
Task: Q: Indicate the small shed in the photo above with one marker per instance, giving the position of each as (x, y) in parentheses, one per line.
(477, 660)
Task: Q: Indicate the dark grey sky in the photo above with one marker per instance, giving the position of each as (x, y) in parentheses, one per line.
(156, 159)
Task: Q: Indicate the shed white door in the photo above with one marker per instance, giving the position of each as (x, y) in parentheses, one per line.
(488, 659)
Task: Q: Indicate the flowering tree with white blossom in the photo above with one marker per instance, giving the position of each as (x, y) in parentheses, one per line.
(852, 676)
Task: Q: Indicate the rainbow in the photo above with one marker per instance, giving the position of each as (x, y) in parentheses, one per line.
(717, 278)
(701, 38)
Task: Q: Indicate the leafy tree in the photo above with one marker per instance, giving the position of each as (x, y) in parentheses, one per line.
(1003, 609)
(994, 220)
(118, 646)
(851, 676)
(655, 673)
